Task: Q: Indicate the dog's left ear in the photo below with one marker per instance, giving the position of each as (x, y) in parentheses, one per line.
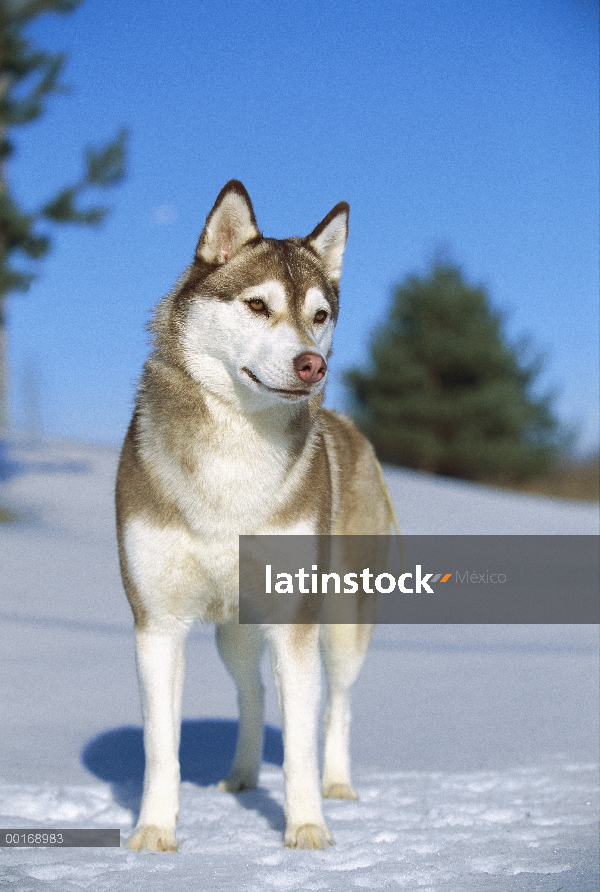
(328, 240)
(230, 225)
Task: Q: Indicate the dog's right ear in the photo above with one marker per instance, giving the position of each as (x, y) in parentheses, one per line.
(230, 225)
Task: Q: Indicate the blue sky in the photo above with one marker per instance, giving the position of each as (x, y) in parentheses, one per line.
(470, 128)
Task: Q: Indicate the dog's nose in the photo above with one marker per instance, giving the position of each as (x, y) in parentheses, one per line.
(310, 367)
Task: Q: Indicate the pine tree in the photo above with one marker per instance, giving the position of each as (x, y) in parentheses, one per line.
(446, 393)
(27, 77)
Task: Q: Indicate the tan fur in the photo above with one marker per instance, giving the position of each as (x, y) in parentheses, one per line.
(227, 440)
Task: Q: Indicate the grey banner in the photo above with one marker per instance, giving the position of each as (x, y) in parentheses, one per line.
(420, 579)
(59, 839)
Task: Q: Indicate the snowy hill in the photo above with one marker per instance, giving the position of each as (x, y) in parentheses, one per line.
(475, 747)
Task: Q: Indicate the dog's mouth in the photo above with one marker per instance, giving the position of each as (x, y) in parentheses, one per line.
(290, 394)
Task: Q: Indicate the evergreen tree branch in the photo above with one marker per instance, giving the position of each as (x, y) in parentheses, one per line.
(19, 12)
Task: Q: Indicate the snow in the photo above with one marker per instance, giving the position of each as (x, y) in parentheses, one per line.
(475, 747)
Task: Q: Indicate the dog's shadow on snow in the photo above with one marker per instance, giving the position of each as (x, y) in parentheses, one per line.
(206, 754)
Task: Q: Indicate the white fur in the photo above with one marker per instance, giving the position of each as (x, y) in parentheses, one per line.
(160, 662)
(251, 457)
(222, 338)
(186, 569)
(297, 677)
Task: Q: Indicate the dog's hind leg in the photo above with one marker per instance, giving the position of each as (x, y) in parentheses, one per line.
(241, 648)
(343, 648)
(160, 661)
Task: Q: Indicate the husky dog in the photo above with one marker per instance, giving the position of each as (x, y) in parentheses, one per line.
(228, 437)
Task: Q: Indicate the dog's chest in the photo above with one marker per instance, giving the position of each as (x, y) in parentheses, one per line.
(239, 485)
(232, 480)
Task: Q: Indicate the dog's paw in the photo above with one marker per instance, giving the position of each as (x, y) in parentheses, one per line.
(339, 791)
(154, 839)
(308, 836)
(236, 784)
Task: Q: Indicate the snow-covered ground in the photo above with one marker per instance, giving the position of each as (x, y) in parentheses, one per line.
(475, 747)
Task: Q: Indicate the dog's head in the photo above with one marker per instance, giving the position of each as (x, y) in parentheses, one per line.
(252, 318)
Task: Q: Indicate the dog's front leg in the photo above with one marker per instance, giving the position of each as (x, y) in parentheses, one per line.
(344, 648)
(295, 658)
(160, 663)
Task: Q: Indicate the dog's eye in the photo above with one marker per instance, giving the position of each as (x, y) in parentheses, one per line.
(320, 316)
(258, 306)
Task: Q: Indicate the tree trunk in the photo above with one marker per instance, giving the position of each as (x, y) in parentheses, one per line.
(4, 375)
